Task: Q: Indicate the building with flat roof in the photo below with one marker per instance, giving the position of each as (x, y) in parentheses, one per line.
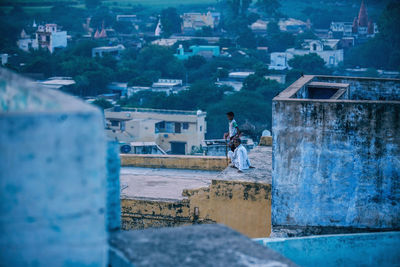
(207, 51)
(336, 148)
(192, 22)
(327, 49)
(49, 36)
(175, 131)
(59, 83)
(110, 50)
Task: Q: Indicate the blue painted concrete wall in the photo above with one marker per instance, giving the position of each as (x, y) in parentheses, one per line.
(52, 178)
(336, 164)
(113, 187)
(372, 249)
(367, 88)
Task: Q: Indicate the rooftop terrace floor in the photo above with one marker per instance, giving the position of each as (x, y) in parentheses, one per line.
(168, 184)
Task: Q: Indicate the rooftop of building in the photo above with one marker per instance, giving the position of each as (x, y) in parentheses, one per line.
(112, 48)
(342, 89)
(168, 184)
(160, 111)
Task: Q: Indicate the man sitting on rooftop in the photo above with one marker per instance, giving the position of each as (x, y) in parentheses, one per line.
(239, 157)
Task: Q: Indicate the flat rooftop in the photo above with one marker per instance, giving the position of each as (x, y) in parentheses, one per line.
(168, 184)
(341, 89)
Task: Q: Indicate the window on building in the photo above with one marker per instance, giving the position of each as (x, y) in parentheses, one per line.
(114, 123)
(201, 128)
(185, 126)
(160, 127)
(178, 127)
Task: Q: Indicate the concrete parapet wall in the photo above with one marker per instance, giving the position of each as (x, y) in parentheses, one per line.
(243, 206)
(53, 178)
(210, 163)
(367, 249)
(367, 88)
(142, 214)
(336, 163)
(113, 187)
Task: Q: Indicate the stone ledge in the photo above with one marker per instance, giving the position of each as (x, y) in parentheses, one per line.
(210, 163)
(198, 245)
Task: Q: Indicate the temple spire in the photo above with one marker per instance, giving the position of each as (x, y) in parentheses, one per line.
(362, 15)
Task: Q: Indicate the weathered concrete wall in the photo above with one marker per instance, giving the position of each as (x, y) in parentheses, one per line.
(113, 187)
(336, 164)
(210, 163)
(53, 178)
(243, 206)
(197, 245)
(142, 214)
(367, 88)
(371, 249)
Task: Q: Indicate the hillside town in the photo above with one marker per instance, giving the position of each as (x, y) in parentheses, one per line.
(200, 133)
(269, 52)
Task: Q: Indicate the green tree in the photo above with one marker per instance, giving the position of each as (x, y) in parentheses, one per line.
(92, 3)
(247, 39)
(309, 63)
(102, 103)
(145, 78)
(270, 7)
(252, 82)
(170, 21)
(195, 62)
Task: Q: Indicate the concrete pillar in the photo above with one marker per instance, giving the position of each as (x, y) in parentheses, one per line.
(52, 177)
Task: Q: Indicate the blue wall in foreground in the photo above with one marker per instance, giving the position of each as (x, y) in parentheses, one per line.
(370, 249)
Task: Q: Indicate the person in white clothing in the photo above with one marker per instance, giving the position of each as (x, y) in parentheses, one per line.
(239, 157)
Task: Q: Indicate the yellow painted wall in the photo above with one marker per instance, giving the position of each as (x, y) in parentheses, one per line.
(243, 206)
(266, 141)
(211, 163)
(142, 214)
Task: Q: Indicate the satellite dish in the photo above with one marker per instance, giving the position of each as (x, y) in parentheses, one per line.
(125, 149)
(266, 133)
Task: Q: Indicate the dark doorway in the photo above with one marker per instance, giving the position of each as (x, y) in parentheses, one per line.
(178, 148)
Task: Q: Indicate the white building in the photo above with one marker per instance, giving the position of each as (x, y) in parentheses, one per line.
(169, 86)
(110, 50)
(327, 49)
(175, 131)
(50, 37)
(362, 26)
(26, 42)
(59, 83)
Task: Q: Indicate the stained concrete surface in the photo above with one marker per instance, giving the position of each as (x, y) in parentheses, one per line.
(197, 245)
(260, 158)
(161, 184)
(168, 184)
(52, 177)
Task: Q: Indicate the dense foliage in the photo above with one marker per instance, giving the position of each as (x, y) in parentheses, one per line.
(142, 67)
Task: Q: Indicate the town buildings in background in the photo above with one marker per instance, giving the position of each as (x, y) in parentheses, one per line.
(47, 36)
(174, 131)
(327, 49)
